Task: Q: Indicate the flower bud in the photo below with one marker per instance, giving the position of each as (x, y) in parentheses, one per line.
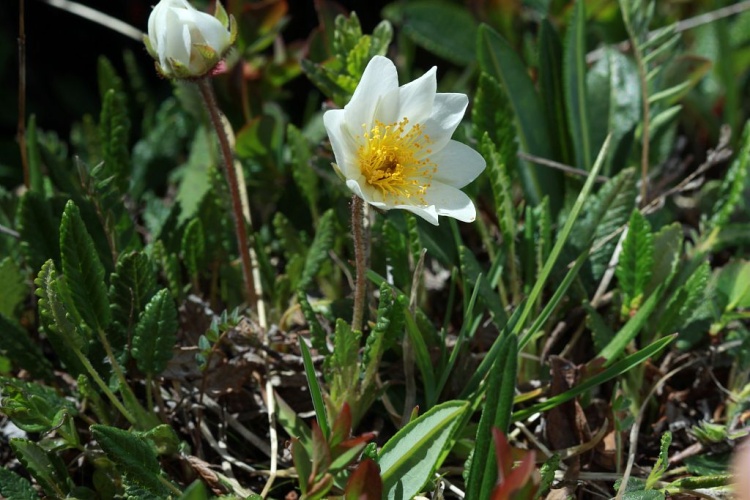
(185, 42)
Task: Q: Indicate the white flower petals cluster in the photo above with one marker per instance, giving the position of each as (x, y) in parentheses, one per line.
(185, 42)
(393, 145)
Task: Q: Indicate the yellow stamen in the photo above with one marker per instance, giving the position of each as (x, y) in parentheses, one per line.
(395, 160)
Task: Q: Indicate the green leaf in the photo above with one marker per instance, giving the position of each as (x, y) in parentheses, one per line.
(46, 467)
(318, 337)
(408, 460)
(15, 487)
(342, 363)
(318, 253)
(497, 58)
(496, 413)
(614, 105)
(33, 146)
(662, 462)
(732, 185)
(576, 93)
(14, 290)
(471, 271)
(601, 333)
(667, 253)
(302, 170)
(315, 392)
(684, 300)
(131, 287)
(84, 273)
(108, 78)
(38, 229)
(194, 248)
(16, 344)
(196, 490)
(603, 214)
(629, 331)
(155, 334)
(441, 27)
(62, 333)
(552, 92)
(633, 270)
(132, 455)
(389, 326)
(396, 253)
(114, 132)
(33, 407)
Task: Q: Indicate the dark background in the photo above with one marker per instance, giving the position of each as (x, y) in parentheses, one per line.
(61, 60)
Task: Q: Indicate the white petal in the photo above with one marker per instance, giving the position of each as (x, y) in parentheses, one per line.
(457, 164)
(379, 78)
(344, 148)
(447, 112)
(451, 202)
(416, 98)
(205, 28)
(428, 213)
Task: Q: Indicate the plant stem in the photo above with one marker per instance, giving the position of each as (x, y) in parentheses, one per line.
(234, 189)
(360, 264)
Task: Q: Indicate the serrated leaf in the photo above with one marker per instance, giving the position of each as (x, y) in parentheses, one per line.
(732, 185)
(602, 215)
(662, 461)
(131, 287)
(389, 326)
(15, 487)
(318, 253)
(684, 300)
(441, 27)
(396, 255)
(16, 344)
(14, 289)
(342, 363)
(46, 467)
(302, 171)
(155, 334)
(33, 407)
(38, 229)
(667, 251)
(576, 93)
(497, 58)
(633, 270)
(114, 132)
(409, 458)
(194, 247)
(84, 273)
(317, 333)
(132, 454)
(62, 333)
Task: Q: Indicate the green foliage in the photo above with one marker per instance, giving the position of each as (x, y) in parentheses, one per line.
(338, 77)
(636, 261)
(15, 487)
(155, 334)
(17, 345)
(133, 455)
(47, 468)
(38, 230)
(409, 458)
(318, 253)
(83, 271)
(131, 287)
(34, 407)
(441, 27)
(576, 92)
(732, 186)
(660, 467)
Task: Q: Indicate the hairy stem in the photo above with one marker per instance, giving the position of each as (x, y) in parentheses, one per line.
(234, 189)
(360, 262)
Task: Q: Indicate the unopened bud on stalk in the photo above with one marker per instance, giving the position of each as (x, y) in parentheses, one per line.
(185, 42)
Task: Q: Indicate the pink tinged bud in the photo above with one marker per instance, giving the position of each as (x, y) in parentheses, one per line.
(185, 42)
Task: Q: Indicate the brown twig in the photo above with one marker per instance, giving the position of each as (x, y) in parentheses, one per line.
(234, 189)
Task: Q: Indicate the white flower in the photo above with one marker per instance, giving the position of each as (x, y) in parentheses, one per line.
(186, 42)
(393, 145)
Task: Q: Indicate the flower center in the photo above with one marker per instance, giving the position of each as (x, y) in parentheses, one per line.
(394, 160)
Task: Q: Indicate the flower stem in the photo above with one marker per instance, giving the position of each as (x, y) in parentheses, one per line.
(234, 189)
(360, 262)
